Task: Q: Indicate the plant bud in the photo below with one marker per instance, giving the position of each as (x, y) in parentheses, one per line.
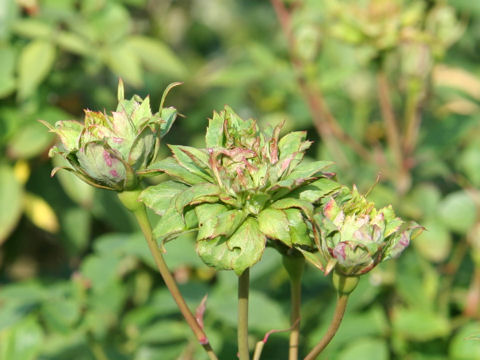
(357, 236)
(113, 151)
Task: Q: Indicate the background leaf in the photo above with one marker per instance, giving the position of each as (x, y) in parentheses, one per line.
(157, 56)
(458, 211)
(35, 62)
(11, 201)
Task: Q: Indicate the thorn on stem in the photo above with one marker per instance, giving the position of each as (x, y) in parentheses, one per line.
(200, 311)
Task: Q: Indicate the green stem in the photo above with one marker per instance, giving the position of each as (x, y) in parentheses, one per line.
(296, 292)
(130, 200)
(388, 114)
(242, 330)
(258, 350)
(412, 115)
(294, 265)
(332, 329)
(98, 352)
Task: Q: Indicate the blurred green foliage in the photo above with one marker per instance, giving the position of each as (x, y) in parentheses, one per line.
(389, 87)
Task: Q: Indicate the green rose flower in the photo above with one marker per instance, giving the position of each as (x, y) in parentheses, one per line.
(245, 187)
(113, 151)
(355, 236)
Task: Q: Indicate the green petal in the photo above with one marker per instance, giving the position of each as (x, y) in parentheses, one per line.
(82, 176)
(69, 133)
(187, 157)
(123, 126)
(216, 220)
(172, 168)
(316, 259)
(143, 149)
(170, 223)
(158, 197)
(102, 165)
(197, 194)
(214, 137)
(274, 224)
(288, 203)
(318, 189)
(241, 251)
(142, 113)
(168, 116)
(306, 170)
(291, 143)
(299, 232)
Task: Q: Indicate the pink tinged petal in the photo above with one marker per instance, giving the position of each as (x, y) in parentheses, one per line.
(108, 159)
(398, 247)
(121, 123)
(273, 151)
(241, 176)
(274, 143)
(117, 140)
(377, 233)
(361, 236)
(299, 181)
(249, 166)
(361, 221)
(238, 153)
(404, 240)
(286, 163)
(339, 219)
(339, 251)
(328, 208)
(114, 173)
(212, 161)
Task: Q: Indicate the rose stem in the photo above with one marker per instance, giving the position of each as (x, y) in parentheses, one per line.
(242, 330)
(130, 200)
(332, 329)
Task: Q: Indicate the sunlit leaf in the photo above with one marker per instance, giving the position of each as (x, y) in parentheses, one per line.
(36, 61)
(274, 223)
(419, 325)
(7, 67)
(11, 201)
(23, 341)
(458, 211)
(157, 56)
(125, 63)
(30, 142)
(465, 345)
(435, 243)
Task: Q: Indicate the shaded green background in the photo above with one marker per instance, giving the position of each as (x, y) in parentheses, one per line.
(76, 279)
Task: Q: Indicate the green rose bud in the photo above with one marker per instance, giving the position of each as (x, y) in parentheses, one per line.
(113, 151)
(357, 236)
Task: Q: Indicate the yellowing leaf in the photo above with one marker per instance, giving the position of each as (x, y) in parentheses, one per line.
(457, 78)
(32, 28)
(40, 213)
(459, 106)
(10, 201)
(22, 171)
